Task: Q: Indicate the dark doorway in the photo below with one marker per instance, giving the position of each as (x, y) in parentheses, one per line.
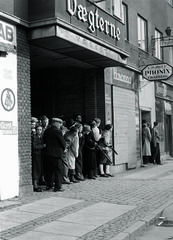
(168, 134)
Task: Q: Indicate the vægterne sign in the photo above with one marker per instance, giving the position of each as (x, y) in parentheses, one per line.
(157, 72)
(94, 20)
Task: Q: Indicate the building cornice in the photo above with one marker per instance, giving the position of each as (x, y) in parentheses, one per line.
(13, 19)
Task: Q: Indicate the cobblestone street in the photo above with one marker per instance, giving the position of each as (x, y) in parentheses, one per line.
(131, 195)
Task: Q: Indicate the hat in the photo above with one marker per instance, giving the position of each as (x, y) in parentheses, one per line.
(34, 119)
(86, 128)
(44, 117)
(57, 120)
(108, 126)
(93, 123)
(97, 120)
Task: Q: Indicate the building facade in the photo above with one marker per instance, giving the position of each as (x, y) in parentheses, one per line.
(64, 57)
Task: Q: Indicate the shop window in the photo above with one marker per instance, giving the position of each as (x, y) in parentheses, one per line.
(158, 51)
(171, 55)
(117, 8)
(125, 21)
(142, 33)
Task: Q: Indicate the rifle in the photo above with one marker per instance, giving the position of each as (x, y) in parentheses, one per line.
(106, 156)
(113, 150)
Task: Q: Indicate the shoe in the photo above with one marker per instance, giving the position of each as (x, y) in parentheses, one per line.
(48, 188)
(103, 175)
(80, 179)
(66, 182)
(74, 181)
(109, 175)
(38, 189)
(58, 190)
(94, 178)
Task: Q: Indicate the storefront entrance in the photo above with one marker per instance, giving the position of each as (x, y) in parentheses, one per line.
(168, 134)
(66, 92)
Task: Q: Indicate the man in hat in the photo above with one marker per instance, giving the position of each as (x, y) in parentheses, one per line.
(55, 147)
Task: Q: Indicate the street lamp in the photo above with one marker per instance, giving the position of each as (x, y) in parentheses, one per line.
(168, 31)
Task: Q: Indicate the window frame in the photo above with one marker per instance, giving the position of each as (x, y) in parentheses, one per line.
(125, 20)
(158, 53)
(145, 33)
(119, 15)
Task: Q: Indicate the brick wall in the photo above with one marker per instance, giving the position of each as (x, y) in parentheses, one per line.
(24, 110)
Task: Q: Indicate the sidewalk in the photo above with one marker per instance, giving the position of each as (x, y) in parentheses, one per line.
(107, 208)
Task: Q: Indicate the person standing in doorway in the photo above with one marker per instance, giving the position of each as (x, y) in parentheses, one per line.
(146, 139)
(155, 144)
(37, 148)
(55, 147)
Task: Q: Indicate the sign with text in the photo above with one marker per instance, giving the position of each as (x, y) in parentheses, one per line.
(9, 164)
(157, 72)
(7, 33)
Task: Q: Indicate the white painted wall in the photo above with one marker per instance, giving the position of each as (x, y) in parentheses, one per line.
(9, 164)
(147, 97)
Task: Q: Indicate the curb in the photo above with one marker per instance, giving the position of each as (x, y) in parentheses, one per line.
(142, 225)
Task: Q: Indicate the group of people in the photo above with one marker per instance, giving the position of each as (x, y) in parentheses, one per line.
(69, 152)
(150, 143)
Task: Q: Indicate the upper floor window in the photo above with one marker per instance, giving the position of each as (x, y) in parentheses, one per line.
(142, 33)
(158, 51)
(125, 21)
(117, 8)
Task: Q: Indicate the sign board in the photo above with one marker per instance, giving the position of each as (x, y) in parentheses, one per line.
(157, 72)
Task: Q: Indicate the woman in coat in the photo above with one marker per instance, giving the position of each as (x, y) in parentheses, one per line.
(146, 146)
(72, 140)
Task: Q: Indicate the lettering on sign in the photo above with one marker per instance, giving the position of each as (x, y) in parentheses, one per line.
(95, 21)
(122, 77)
(157, 72)
(5, 125)
(7, 33)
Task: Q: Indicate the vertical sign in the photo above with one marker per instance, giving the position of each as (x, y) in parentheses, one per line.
(9, 165)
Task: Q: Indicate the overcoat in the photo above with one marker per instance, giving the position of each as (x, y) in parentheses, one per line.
(73, 149)
(146, 139)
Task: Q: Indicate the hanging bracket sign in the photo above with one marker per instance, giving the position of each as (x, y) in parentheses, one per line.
(157, 72)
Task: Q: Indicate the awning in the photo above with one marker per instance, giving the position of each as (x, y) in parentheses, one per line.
(58, 47)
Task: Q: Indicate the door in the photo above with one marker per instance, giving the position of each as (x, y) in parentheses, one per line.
(124, 126)
(168, 134)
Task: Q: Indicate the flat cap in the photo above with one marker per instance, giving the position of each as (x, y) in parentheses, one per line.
(57, 120)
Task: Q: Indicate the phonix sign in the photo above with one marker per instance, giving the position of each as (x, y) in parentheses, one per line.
(157, 72)
(93, 18)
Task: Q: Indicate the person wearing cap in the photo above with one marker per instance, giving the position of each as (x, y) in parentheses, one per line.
(155, 143)
(37, 148)
(34, 122)
(55, 147)
(89, 151)
(44, 120)
(72, 140)
(105, 144)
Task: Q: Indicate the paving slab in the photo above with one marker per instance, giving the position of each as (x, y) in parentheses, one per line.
(154, 172)
(157, 233)
(28, 212)
(97, 214)
(79, 223)
(43, 236)
(66, 228)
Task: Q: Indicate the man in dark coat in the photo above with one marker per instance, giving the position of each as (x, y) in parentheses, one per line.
(55, 147)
